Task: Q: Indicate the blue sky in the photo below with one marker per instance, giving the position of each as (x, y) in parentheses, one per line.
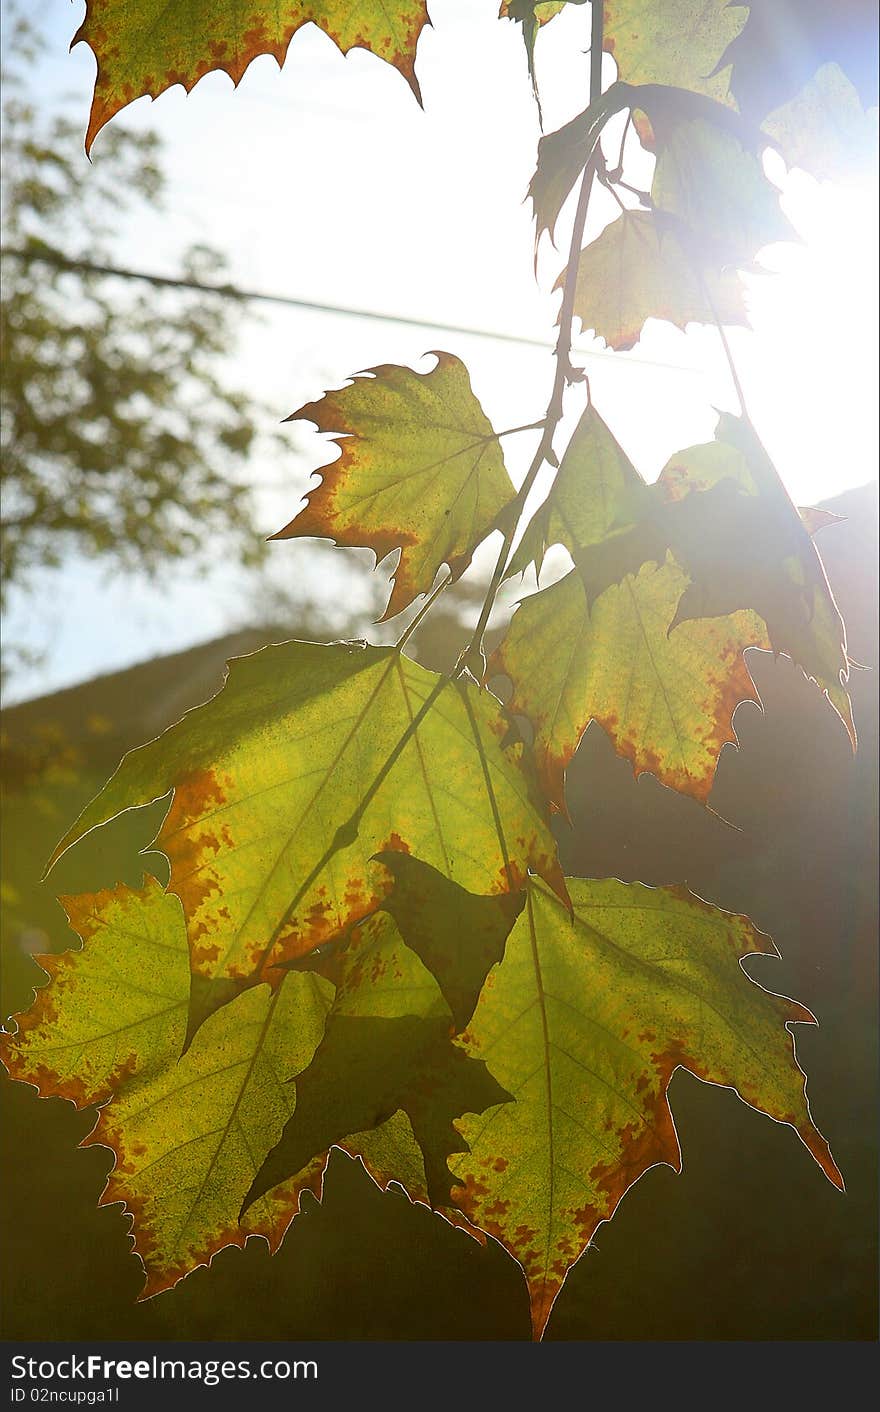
(326, 181)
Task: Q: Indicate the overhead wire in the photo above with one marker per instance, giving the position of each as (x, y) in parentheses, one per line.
(231, 291)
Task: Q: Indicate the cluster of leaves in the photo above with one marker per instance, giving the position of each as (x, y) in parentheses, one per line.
(367, 940)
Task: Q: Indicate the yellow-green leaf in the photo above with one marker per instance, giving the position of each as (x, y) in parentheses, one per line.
(421, 471)
(188, 1133)
(148, 46)
(562, 156)
(584, 1022)
(714, 185)
(102, 1019)
(532, 14)
(665, 699)
(744, 545)
(457, 935)
(637, 270)
(723, 512)
(674, 42)
(590, 500)
(806, 71)
(312, 759)
(824, 129)
(387, 1049)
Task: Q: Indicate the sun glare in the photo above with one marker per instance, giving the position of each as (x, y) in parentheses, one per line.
(811, 364)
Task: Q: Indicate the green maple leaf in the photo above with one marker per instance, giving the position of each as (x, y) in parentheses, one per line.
(636, 270)
(149, 45)
(189, 1133)
(532, 14)
(310, 761)
(421, 471)
(594, 496)
(722, 512)
(678, 43)
(806, 72)
(666, 699)
(563, 155)
(458, 936)
(387, 1048)
(732, 526)
(713, 185)
(672, 583)
(585, 1022)
(708, 182)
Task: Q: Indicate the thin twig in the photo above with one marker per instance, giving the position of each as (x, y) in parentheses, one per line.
(472, 658)
(713, 310)
(426, 607)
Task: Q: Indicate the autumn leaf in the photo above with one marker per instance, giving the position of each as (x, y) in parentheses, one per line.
(188, 1133)
(458, 936)
(722, 511)
(312, 759)
(421, 471)
(592, 496)
(806, 72)
(665, 699)
(563, 155)
(637, 270)
(188, 1136)
(708, 182)
(101, 1020)
(824, 129)
(744, 545)
(714, 186)
(584, 1022)
(671, 583)
(148, 47)
(532, 14)
(815, 518)
(387, 1048)
(673, 42)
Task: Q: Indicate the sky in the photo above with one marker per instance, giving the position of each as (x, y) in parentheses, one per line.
(324, 180)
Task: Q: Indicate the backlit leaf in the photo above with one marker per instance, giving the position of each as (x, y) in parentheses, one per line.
(708, 179)
(188, 1133)
(457, 935)
(102, 1020)
(387, 1048)
(531, 14)
(584, 1022)
(591, 496)
(665, 699)
(152, 45)
(714, 184)
(311, 760)
(674, 42)
(637, 270)
(725, 515)
(421, 470)
(803, 69)
(562, 156)
(745, 545)
(824, 129)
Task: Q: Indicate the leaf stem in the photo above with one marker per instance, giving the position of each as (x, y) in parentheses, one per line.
(425, 608)
(473, 658)
(707, 294)
(529, 426)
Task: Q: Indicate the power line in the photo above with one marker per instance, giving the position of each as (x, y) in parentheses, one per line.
(229, 291)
